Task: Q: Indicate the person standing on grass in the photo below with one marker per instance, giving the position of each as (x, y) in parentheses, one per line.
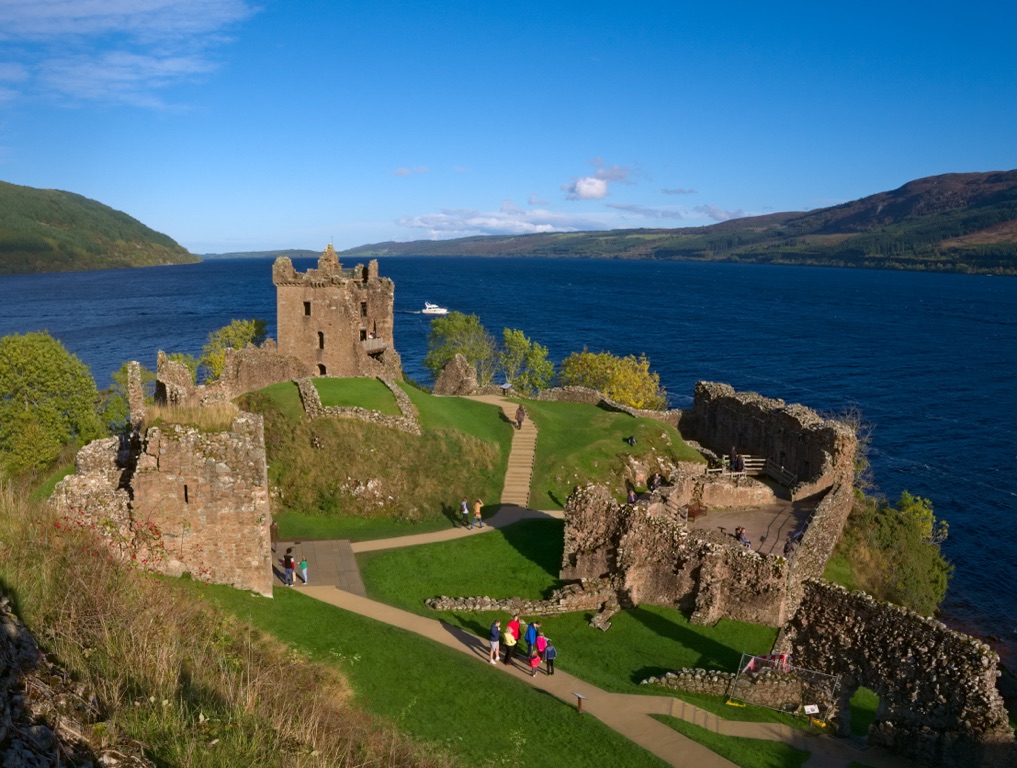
(464, 510)
(478, 520)
(495, 636)
(303, 569)
(550, 654)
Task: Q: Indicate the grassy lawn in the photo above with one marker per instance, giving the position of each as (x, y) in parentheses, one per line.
(583, 443)
(461, 414)
(363, 392)
(294, 526)
(746, 713)
(523, 561)
(863, 711)
(748, 753)
(436, 694)
(282, 397)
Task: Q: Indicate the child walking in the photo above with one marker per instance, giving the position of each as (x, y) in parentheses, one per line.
(550, 654)
(303, 569)
(534, 661)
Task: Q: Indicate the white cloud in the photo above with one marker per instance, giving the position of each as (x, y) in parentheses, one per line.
(114, 50)
(509, 220)
(586, 188)
(719, 214)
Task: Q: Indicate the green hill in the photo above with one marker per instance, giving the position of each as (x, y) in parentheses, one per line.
(47, 230)
(958, 222)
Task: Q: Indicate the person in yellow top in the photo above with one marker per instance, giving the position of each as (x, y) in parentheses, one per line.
(478, 521)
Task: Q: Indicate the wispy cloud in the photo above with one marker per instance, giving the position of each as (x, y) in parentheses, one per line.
(406, 171)
(597, 185)
(719, 214)
(508, 220)
(112, 50)
(678, 191)
(648, 212)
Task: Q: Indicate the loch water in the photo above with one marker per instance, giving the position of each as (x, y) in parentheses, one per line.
(929, 360)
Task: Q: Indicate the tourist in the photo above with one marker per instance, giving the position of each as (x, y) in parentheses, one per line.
(478, 520)
(288, 565)
(303, 569)
(550, 654)
(531, 635)
(631, 495)
(742, 539)
(520, 416)
(513, 630)
(654, 482)
(534, 662)
(509, 640)
(464, 510)
(495, 637)
(273, 534)
(541, 644)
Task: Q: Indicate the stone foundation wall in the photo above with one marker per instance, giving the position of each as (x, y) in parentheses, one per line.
(588, 596)
(587, 396)
(408, 422)
(820, 452)
(939, 703)
(183, 501)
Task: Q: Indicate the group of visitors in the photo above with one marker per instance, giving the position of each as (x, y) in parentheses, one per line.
(290, 564)
(464, 511)
(538, 647)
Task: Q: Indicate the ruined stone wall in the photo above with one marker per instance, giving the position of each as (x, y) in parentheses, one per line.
(820, 452)
(938, 698)
(337, 322)
(658, 561)
(408, 422)
(185, 502)
(588, 596)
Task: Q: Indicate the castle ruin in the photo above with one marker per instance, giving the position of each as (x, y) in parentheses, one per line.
(336, 321)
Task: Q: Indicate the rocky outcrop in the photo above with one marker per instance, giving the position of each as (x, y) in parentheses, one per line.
(458, 377)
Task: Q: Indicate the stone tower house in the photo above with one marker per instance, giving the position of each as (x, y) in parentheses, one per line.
(337, 322)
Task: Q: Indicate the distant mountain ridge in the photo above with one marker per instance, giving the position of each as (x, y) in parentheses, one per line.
(48, 230)
(957, 222)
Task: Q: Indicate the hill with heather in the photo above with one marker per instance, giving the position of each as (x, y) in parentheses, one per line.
(48, 230)
(957, 222)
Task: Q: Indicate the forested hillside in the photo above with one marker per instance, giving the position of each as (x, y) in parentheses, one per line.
(961, 222)
(47, 230)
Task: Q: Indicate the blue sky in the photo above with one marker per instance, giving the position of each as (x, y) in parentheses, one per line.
(243, 125)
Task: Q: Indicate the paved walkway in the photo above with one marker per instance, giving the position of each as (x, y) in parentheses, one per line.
(335, 580)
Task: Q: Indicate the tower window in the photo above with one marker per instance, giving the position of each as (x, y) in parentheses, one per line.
(363, 309)
(321, 340)
(307, 309)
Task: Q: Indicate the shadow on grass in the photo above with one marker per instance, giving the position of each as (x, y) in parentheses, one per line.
(712, 655)
(542, 542)
(452, 514)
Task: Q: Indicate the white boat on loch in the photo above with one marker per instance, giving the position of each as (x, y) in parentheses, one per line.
(433, 309)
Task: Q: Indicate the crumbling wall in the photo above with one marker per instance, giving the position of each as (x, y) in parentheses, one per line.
(938, 698)
(658, 560)
(408, 422)
(587, 396)
(820, 452)
(185, 502)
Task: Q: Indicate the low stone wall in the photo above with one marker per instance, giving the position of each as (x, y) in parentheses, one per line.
(587, 396)
(938, 698)
(313, 408)
(588, 596)
(784, 691)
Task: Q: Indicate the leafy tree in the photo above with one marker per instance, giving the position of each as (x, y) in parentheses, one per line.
(524, 362)
(456, 333)
(114, 405)
(626, 380)
(47, 401)
(237, 335)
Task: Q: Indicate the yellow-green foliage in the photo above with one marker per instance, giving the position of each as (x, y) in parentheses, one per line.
(626, 380)
(237, 335)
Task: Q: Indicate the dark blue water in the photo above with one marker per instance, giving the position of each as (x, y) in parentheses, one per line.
(929, 360)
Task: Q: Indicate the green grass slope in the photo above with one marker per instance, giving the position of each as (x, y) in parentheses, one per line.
(47, 230)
